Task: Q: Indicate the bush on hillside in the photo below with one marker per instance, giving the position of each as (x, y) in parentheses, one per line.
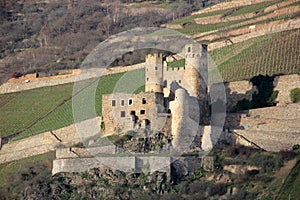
(295, 95)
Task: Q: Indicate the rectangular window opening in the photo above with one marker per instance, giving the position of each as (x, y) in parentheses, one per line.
(130, 102)
(113, 103)
(122, 113)
(122, 102)
(142, 112)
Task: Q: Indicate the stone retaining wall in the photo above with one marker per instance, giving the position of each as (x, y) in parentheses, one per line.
(75, 152)
(45, 142)
(127, 164)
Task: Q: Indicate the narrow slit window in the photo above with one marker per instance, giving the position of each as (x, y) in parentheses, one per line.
(122, 102)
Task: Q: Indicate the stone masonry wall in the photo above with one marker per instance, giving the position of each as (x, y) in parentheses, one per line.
(127, 164)
(284, 84)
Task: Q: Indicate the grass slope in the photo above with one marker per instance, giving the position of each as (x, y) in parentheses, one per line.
(35, 111)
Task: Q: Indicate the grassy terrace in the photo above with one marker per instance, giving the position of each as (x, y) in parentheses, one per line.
(49, 108)
(201, 28)
(176, 63)
(271, 54)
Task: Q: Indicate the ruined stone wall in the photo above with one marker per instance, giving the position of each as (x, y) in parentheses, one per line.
(122, 117)
(284, 84)
(235, 91)
(45, 142)
(239, 90)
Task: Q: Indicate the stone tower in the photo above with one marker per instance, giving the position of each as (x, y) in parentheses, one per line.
(196, 70)
(154, 73)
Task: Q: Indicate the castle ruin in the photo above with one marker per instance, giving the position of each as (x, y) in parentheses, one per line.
(173, 102)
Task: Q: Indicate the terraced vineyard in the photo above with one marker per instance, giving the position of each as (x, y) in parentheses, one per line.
(35, 111)
(20, 110)
(191, 28)
(267, 55)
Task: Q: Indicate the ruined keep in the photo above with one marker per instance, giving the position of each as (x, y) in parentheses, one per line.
(172, 102)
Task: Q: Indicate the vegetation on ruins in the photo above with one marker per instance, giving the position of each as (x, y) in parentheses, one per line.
(266, 96)
(295, 95)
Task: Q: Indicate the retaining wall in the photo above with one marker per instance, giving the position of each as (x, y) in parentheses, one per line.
(126, 163)
(45, 142)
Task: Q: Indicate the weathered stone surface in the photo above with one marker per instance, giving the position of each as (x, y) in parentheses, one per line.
(240, 169)
(207, 163)
(124, 163)
(75, 152)
(211, 136)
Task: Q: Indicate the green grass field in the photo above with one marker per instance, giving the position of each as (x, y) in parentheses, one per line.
(272, 54)
(43, 109)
